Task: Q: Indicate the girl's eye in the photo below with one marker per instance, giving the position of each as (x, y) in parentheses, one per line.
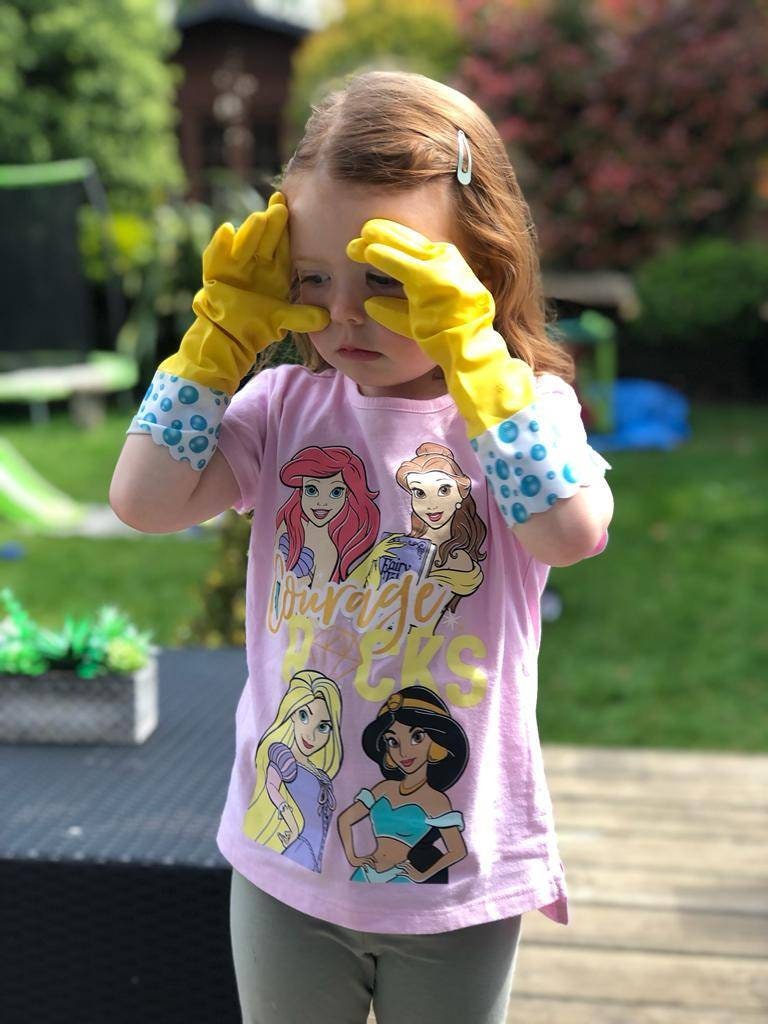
(310, 279)
(310, 490)
(383, 282)
(337, 492)
(445, 489)
(418, 493)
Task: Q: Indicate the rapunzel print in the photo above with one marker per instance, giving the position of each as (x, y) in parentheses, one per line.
(422, 751)
(330, 520)
(297, 759)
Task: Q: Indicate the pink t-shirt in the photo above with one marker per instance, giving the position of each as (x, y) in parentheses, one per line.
(388, 774)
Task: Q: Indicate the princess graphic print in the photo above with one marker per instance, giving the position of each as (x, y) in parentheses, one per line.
(388, 775)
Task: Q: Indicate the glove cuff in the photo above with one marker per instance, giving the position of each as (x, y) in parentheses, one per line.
(182, 416)
(530, 464)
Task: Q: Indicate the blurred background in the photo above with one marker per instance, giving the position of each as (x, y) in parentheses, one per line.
(129, 130)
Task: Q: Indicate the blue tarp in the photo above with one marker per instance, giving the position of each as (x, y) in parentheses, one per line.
(647, 414)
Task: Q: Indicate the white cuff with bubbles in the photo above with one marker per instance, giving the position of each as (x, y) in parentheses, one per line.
(183, 416)
(530, 462)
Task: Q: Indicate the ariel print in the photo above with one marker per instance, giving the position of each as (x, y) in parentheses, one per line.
(421, 751)
(296, 760)
(330, 519)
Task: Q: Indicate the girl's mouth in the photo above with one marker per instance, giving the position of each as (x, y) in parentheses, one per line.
(307, 746)
(362, 355)
(434, 517)
(320, 513)
(406, 762)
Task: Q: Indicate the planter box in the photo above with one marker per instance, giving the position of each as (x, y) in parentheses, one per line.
(60, 707)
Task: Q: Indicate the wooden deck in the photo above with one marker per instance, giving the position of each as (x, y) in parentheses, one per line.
(667, 865)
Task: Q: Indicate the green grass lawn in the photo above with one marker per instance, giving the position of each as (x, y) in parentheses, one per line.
(156, 578)
(663, 641)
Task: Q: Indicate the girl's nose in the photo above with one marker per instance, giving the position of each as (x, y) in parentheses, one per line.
(346, 306)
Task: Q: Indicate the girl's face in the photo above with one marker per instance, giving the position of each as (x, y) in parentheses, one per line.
(325, 215)
(434, 497)
(322, 498)
(312, 726)
(408, 746)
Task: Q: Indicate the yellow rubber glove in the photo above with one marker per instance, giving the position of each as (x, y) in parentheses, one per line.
(449, 313)
(243, 305)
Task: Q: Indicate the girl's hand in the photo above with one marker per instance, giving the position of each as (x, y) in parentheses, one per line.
(449, 313)
(244, 304)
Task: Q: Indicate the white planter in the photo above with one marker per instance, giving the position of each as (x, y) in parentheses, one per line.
(60, 707)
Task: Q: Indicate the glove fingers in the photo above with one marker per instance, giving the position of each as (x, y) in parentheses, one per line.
(248, 236)
(403, 267)
(398, 235)
(276, 219)
(216, 253)
(304, 319)
(356, 250)
(390, 313)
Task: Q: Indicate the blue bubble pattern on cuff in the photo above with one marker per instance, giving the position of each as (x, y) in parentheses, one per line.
(183, 416)
(530, 463)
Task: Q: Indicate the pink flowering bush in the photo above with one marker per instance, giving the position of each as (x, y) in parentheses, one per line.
(632, 125)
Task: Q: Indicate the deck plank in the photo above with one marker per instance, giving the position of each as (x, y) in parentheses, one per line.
(665, 853)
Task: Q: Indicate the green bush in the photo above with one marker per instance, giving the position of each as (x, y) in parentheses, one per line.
(631, 124)
(411, 35)
(157, 258)
(711, 290)
(91, 79)
(221, 622)
(91, 645)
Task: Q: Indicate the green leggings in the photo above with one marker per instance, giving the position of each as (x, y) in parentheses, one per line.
(292, 968)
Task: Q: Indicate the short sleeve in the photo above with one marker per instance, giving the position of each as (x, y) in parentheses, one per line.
(284, 761)
(558, 402)
(562, 405)
(561, 402)
(243, 433)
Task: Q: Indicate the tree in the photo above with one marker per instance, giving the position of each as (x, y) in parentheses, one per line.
(634, 124)
(90, 78)
(412, 35)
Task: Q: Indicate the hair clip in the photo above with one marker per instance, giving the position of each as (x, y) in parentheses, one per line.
(464, 174)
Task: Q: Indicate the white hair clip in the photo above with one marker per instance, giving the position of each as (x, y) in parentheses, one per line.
(464, 174)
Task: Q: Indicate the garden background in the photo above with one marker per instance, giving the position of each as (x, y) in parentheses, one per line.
(638, 130)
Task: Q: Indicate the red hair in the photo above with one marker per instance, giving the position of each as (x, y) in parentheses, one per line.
(354, 528)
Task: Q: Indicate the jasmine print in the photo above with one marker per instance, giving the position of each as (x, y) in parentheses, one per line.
(421, 751)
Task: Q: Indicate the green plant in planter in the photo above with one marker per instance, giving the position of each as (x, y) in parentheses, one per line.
(90, 646)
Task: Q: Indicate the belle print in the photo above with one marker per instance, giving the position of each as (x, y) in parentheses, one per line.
(443, 511)
(331, 519)
(296, 760)
(421, 751)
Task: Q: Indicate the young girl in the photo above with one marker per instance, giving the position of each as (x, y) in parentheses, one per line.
(388, 820)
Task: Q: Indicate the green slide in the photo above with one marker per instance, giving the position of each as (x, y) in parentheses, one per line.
(29, 500)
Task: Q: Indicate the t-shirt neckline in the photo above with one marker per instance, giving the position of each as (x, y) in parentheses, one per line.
(418, 405)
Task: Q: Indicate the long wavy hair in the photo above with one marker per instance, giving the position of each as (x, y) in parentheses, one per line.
(467, 528)
(262, 821)
(354, 528)
(397, 130)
